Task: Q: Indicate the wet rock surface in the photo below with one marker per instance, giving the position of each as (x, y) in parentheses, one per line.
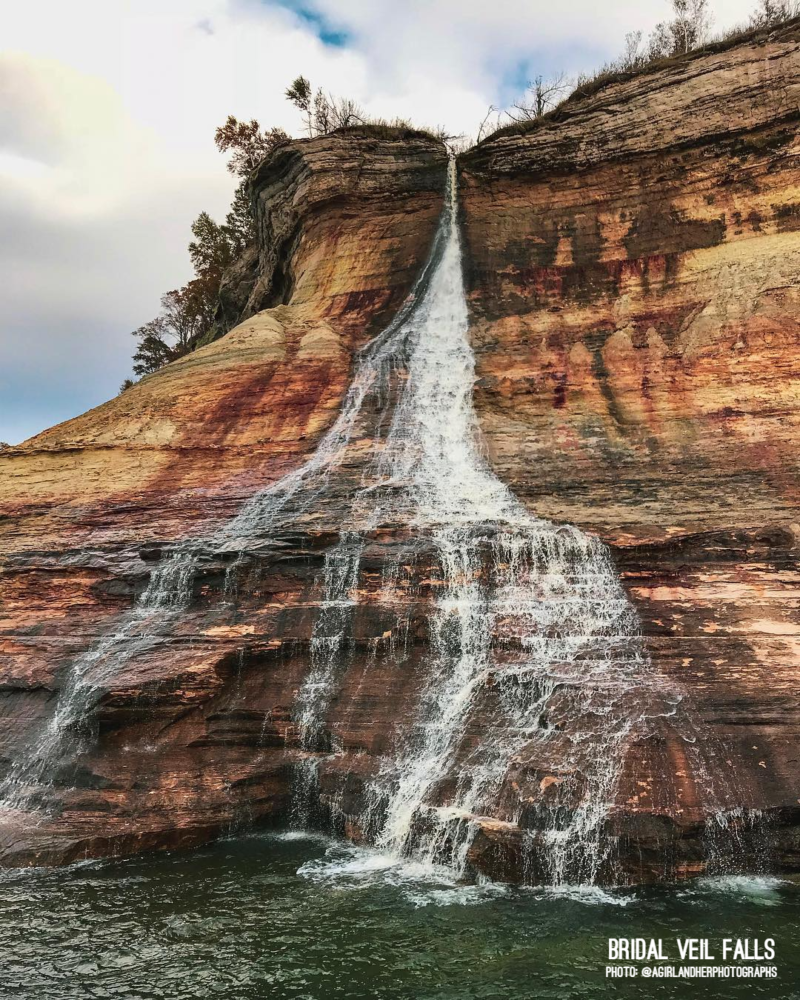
(633, 280)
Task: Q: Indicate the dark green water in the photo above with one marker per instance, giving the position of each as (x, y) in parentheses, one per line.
(287, 917)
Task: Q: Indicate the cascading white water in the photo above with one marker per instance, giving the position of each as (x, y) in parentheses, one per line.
(340, 581)
(142, 629)
(506, 576)
(530, 631)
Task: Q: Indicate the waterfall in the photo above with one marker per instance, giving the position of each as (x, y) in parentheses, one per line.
(530, 630)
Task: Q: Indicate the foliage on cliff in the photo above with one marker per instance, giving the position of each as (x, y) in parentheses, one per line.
(187, 313)
(325, 113)
(686, 32)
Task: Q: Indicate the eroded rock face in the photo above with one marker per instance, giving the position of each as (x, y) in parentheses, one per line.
(89, 506)
(634, 272)
(633, 279)
(634, 286)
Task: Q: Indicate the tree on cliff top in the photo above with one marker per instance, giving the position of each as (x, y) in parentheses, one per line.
(300, 94)
(689, 26)
(247, 143)
(541, 96)
(686, 30)
(323, 113)
(772, 12)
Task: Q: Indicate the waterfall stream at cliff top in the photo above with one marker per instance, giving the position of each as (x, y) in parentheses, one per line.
(529, 626)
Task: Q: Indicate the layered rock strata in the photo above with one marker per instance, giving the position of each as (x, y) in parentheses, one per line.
(88, 506)
(633, 273)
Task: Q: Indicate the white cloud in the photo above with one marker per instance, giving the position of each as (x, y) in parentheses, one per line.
(107, 114)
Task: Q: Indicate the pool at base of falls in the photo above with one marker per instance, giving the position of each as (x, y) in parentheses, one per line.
(303, 917)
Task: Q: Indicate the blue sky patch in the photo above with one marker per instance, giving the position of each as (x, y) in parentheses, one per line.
(319, 24)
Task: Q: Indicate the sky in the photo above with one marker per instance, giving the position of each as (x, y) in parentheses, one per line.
(107, 117)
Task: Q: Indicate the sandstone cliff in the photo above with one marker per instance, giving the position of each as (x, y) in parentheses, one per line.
(633, 272)
(635, 282)
(87, 504)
